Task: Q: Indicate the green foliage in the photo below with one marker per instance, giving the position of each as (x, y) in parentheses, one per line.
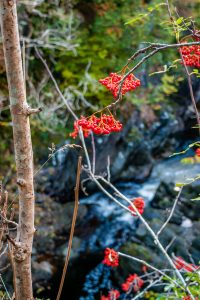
(151, 295)
(172, 292)
(140, 17)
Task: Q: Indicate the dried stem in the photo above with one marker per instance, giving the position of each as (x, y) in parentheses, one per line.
(76, 191)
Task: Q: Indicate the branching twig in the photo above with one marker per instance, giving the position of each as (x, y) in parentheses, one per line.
(143, 262)
(93, 153)
(147, 288)
(157, 47)
(171, 213)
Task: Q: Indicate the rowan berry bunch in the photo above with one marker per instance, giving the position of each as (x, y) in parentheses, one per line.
(139, 204)
(113, 81)
(191, 55)
(105, 124)
(113, 295)
(111, 258)
(132, 282)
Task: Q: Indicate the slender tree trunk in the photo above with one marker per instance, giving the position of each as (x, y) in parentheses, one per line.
(23, 150)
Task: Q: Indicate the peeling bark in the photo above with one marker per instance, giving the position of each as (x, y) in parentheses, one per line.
(23, 149)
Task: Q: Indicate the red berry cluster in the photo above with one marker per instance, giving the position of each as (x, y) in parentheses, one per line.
(139, 204)
(111, 258)
(132, 282)
(183, 265)
(197, 152)
(112, 83)
(102, 125)
(113, 295)
(191, 55)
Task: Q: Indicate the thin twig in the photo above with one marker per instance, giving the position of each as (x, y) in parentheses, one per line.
(55, 83)
(162, 46)
(5, 287)
(8, 221)
(4, 251)
(76, 191)
(147, 288)
(108, 168)
(170, 243)
(171, 212)
(93, 152)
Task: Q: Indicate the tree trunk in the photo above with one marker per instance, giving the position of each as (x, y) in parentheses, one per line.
(23, 150)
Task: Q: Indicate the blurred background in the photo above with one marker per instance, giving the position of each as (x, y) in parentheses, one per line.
(83, 41)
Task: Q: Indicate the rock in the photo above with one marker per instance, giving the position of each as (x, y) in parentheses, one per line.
(75, 250)
(165, 197)
(42, 271)
(53, 223)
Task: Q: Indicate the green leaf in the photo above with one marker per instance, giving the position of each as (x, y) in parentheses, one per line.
(179, 20)
(195, 199)
(136, 19)
(140, 17)
(178, 184)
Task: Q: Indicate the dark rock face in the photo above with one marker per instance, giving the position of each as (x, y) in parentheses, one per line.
(187, 208)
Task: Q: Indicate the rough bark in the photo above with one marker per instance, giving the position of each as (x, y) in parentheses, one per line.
(23, 149)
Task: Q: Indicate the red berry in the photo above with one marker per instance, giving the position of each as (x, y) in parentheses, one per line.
(132, 282)
(181, 264)
(111, 258)
(139, 204)
(197, 152)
